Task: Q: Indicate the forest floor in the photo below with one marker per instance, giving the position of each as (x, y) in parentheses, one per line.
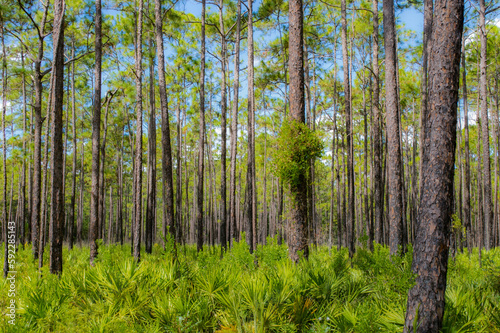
(203, 293)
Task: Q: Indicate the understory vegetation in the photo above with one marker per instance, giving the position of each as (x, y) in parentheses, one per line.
(263, 292)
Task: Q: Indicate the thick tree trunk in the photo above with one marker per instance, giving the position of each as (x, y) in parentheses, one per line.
(96, 136)
(298, 210)
(201, 146)
(393, 131)
(56, 227)
(430, 255)
(137, 219)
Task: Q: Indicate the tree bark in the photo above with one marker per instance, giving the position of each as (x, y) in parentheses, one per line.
(349, 135)
(428, 19)
(151, 190)
(4, 153)
(165, 127)
(37, 108)
(138, 138)
(201, 146)
(298, 210)
(56, 232)
(250, 185)
(234, 132)
(393, 131)
(430, 255)
(96, 136)
(223, 176)
(71, 218)
(483, 98)
(467, 181)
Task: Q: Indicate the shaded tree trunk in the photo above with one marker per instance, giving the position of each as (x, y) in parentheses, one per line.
(56, 232)
(430, 255)
(151, 186)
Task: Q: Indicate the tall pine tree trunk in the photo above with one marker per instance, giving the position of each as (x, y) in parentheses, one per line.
(137, 219)
(430, 255)
(151, 191)
(298, 211)
(223, 176)
(234, 133)
(201, 146)
(96, 136)
(483, 98)
(393, 131)
(349, 135)
(56, 231)
(168, 186)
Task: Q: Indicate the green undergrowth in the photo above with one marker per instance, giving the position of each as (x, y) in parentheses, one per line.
(263, 292)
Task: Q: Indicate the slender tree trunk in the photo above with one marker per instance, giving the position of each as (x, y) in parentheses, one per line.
(165, 129)
(138, 138)
(110, 223)
(483, 98)
(56, 232)
(4, 148)
(298, 211)
(250, 185)
(151, 186)
(96, 137)
(43, 224)
(234, 132)
(71, 217)
(201, 153)
(79, 221)
(427, 33)
(119, 219)
(37, 108)
(349, 135)
(22, 192)
(393, 132)
(223, 176)
(430, 255)
(467, 180)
